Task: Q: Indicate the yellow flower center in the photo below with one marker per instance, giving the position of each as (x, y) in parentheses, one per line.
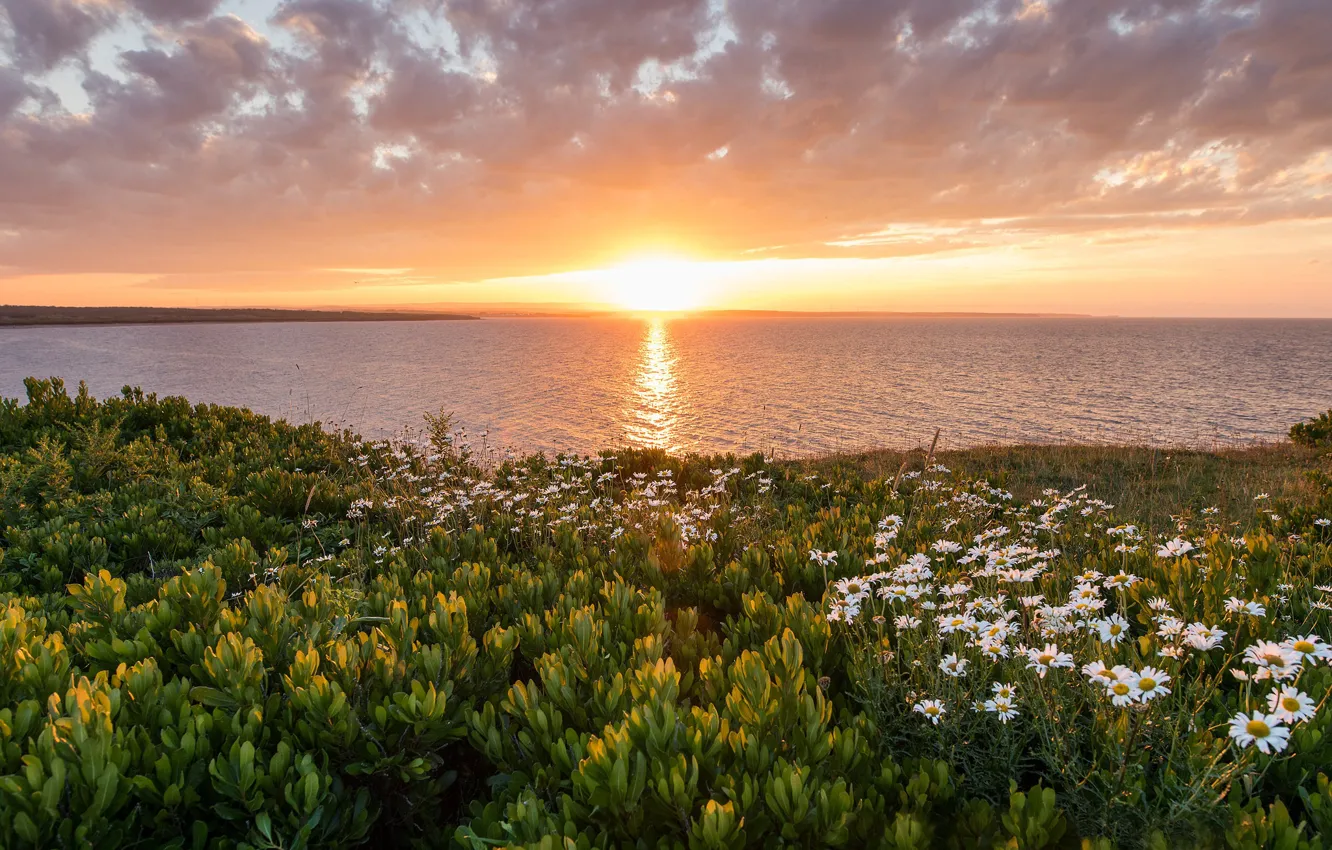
(1290, 704)
(1120, 689)
(1147, 684)
(1304, 646)
(1115, 629)
(1274, 659)
(1046, 658)
(1258, 729)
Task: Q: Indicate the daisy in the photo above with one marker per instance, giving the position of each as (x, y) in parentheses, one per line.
(895, 592)
(1122, 692)
(1085, 592)
(933, 710)
(993, 649)
(1263, 731)
(954, 666)
(1002, 707)
(1098, 673)
(1174, 548)
(1291, 705)
(1169, 626)
(1004, 690)
(1203, 637)
(1041, 660)
(844, 610)
(1310, 648)
(1121, 579)
(1112, 629)
(949, 623)
(852, 588)
(1150, 683)
(1276, 658)
(823, 559)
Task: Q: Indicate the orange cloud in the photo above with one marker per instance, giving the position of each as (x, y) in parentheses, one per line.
(470, 141)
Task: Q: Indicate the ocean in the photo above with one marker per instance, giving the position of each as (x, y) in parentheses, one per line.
(786, 386)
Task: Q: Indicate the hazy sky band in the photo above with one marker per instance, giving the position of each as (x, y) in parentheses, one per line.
(912, 154)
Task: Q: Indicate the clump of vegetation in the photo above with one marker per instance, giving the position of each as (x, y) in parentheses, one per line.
(1316, 432)
(221, 631)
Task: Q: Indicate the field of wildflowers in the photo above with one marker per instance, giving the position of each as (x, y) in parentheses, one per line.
(221, 631)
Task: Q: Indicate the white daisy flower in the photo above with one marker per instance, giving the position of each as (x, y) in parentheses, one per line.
(954, 666)
(1003, 707)
(1263, 731)
(1291, 705)
(1175, 548)
(1310, 647)
(1041, 660)
(933, 710)
(1112, 629)
(1150, 683)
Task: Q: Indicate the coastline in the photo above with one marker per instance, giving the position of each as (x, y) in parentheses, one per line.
(17, 317)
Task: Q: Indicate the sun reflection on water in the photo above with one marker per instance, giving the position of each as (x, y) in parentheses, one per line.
(652, 421)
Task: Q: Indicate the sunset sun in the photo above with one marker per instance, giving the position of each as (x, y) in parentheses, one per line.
(657, 284)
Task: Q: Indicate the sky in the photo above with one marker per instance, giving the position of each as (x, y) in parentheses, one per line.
(1128, 157)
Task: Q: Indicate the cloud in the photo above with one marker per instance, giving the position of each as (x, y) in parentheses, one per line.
(44, 32)
(476, 139)
(13, 91)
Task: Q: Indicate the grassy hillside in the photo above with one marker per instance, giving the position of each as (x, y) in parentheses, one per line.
(1146, 484)
(217, 630)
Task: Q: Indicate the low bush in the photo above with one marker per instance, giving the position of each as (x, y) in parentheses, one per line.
(1315, 432)
(217, 630)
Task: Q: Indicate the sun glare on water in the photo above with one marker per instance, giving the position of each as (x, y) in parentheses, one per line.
(657, 285)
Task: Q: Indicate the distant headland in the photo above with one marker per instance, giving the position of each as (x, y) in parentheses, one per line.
(28, 316)
(12, 316)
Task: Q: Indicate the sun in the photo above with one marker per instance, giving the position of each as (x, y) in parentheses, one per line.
(657, 285)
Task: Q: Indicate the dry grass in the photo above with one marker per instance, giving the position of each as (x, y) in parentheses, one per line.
(1146, 484)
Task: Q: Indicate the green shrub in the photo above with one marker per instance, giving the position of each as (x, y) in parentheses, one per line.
(1315, 432)
(217, 630)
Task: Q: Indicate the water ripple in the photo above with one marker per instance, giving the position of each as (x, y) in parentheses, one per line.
(787, 386)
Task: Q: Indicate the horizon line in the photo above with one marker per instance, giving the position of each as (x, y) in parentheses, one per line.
(542, 310)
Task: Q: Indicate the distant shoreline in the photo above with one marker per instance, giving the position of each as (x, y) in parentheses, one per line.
(17, 316)
(11, 316)
(38, 316)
